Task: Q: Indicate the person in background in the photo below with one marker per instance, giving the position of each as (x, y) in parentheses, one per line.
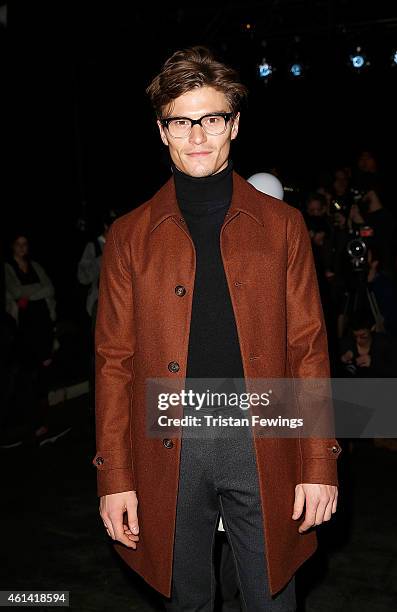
(385, 291)
(316, 205)
(31, 302)
(371, 212)
(385, 228)
(321, 233)
(366, 173)
(341, 187)
(365, 353)
(88, 272)
(90, 264)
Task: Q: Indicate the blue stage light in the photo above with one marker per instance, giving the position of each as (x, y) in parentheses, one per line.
(265, 70)
(296, 70)
(358, 60)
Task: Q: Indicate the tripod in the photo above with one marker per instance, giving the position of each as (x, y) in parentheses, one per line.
(359, 298)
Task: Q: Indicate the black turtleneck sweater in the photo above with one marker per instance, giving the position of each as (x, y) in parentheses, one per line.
(214, 350)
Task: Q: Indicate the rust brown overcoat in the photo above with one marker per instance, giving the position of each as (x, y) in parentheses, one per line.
(143, 325)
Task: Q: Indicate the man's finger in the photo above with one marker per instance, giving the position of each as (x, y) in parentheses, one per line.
(320, 511)
(117, 522)
(132, 517)
(310, 515)
(299, 503)
(328, 510)
(129, 533)
(335, 502)
(108, 525)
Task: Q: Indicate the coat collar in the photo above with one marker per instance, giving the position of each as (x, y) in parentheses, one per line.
(244, 199)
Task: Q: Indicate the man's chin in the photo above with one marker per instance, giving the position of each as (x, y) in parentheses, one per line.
(199, 169)
(200, 172)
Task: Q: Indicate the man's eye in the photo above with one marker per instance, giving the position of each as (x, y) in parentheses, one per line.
(214, 120)
(180, 122)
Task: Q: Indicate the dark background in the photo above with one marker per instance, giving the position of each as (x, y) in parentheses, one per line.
(83, 135)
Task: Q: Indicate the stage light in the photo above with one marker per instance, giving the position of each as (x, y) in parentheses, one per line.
(358, 61)
(296, 70)
(265, 70)
(248, 27)
(394, 59)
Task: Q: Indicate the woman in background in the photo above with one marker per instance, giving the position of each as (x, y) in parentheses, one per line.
(30, 300)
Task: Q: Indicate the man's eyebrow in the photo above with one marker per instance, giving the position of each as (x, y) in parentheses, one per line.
(221, 112)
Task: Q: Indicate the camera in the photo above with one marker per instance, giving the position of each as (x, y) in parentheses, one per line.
(358, 246)
(358, 252)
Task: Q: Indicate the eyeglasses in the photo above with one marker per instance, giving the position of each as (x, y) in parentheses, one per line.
(214, 124)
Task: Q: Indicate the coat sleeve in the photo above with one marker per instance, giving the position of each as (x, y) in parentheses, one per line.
(308, 357)
(114, 350)
(13, 284)
(45, 288)
(88, 268)
(33, 291)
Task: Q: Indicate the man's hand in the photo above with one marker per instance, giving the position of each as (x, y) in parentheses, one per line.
(112, 508)
(321, 501)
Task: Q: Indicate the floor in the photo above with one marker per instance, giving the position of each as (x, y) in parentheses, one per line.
(53, 538)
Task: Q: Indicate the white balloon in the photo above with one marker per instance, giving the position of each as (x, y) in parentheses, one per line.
(267, 183)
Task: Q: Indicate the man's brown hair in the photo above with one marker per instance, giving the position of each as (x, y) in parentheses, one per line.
(190, 68)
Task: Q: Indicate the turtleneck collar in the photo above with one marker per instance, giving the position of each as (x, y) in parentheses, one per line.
(205, 190)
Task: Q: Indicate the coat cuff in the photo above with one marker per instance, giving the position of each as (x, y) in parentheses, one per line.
(320, 471)
(114, 481)
(114, 471)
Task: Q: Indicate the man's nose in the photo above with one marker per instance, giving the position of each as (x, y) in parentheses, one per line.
(197, 134)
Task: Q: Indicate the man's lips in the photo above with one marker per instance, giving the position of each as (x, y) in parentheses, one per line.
(198, 153)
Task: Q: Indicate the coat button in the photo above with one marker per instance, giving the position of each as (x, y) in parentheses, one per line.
(173, 366)
(181, 219)
(335, 449)
(180, 290)
(168, 443)
(99, 460)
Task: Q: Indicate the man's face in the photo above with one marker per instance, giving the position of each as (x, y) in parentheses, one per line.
(366, 162)
(314, 208)
(200, 154)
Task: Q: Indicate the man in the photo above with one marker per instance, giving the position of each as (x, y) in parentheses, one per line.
(89, 266)
(208, 279)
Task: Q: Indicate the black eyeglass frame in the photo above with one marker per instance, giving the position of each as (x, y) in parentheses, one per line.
(226, 116)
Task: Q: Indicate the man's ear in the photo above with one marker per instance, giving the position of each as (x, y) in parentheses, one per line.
(235, 125)
(163, 135)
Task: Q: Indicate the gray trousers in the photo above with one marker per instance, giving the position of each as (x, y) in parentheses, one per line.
(218, 475)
